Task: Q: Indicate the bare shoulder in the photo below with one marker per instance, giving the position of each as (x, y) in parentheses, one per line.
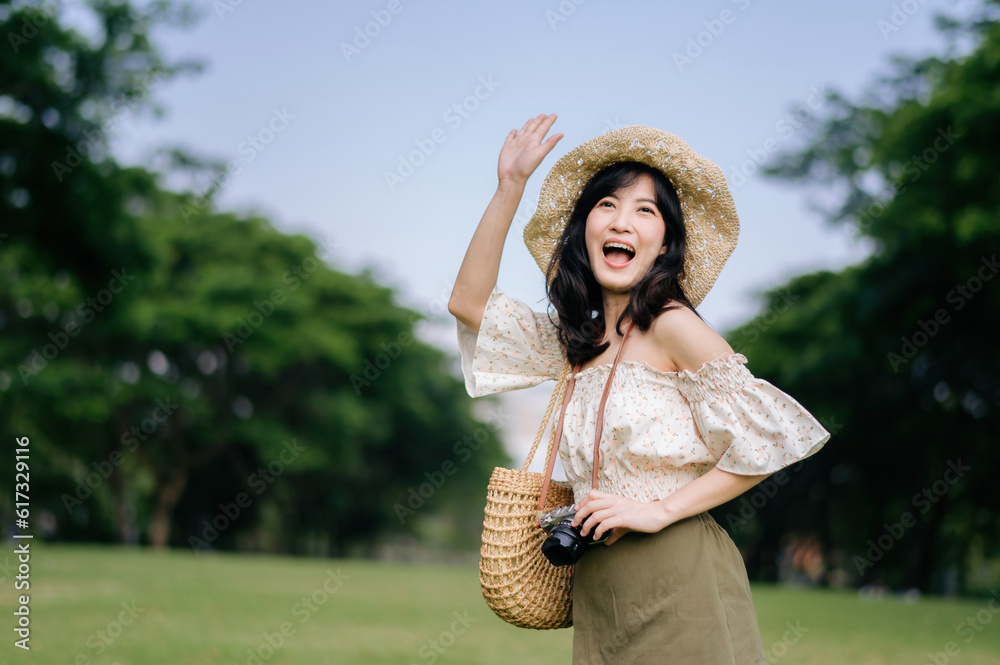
(689, 341)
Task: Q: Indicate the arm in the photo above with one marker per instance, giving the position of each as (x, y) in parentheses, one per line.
(609, 511)
(521, 154)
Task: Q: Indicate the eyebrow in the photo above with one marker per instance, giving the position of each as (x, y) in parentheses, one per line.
(643, 200)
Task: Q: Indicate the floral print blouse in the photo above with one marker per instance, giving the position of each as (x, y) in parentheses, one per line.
(661, 429)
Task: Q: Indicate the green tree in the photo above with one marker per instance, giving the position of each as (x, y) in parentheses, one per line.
(898, 353)
(187, 376)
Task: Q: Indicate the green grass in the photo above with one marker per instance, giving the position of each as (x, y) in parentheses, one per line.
(212, 609)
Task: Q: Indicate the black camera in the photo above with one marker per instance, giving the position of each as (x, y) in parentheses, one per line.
(565, 545)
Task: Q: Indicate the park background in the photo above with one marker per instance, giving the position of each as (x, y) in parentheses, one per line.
(228, 233)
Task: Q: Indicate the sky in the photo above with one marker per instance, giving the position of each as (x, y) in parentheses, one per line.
(318, 103)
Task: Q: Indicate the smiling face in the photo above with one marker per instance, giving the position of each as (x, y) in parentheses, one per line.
(624, 235)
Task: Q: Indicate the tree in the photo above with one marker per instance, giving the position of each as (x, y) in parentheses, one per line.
(897, 352)
(186, 375)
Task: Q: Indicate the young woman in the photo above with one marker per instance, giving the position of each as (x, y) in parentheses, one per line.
(631, 230)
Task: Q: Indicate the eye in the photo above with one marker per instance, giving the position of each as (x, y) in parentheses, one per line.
(603, 202)
(646, 209)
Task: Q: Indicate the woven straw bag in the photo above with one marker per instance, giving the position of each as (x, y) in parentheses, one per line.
(518, 582)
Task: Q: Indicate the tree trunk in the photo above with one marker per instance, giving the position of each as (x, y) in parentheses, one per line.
(168, 493)
(124, 524)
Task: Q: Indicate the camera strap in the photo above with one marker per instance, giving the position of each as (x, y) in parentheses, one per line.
(554, 448)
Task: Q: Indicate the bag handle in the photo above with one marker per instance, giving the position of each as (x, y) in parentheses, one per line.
(556, 437)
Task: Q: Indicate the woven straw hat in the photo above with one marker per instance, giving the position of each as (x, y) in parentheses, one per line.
(709, 212)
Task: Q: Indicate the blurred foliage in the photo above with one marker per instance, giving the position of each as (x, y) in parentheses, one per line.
(897, 355)
(186, 376)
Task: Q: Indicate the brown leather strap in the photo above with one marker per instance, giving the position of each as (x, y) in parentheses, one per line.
(553, 450)
(600, 411)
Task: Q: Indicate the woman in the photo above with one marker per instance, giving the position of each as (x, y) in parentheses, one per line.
(631, 230)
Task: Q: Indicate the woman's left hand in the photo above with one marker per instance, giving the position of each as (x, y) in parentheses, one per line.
(610, 511)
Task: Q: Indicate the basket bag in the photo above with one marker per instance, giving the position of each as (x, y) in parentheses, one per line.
(518, 582)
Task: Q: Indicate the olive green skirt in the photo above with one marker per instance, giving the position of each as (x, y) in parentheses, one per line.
(677, 596)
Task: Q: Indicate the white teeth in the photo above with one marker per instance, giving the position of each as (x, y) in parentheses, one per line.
(620, 245)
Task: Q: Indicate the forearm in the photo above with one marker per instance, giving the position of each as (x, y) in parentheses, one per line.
(708, 491)
(478, 274)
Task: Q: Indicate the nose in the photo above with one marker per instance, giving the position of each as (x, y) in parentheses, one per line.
(620, 222)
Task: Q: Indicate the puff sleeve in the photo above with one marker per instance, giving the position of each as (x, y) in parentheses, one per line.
(750, 426)
(515, 348)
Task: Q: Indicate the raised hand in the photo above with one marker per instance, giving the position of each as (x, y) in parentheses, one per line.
(524, 149)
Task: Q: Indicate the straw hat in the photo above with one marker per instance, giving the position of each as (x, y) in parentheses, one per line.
(708, 208)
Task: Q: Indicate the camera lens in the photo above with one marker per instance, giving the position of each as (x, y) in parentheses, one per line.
(564, 546)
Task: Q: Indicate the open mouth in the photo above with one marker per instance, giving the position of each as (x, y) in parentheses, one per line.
(618, 253)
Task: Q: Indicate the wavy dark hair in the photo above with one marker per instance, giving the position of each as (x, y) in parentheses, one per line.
(575, 293)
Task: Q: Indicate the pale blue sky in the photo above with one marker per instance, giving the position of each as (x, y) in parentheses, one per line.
(607, 64)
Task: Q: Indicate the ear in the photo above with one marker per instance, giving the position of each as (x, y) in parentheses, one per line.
(663, 250)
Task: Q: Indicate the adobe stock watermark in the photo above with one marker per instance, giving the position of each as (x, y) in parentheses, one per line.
(969, 628)
(924, 500)
(262, 309)
(786, 126)
(48, 11)
(790, 637)
(462, 450)
(103, 638)
(751, 331)
(258, 481)
(913, 169)
(751, 503)
(454, 116)
(562, 12)
(7, 570)
(380, 362)
(253, 145)
(699, 43)
(87, 310)
(635, 615)
(130, 439)
(303, 610)
(958, 297)
(223, 7)
(381, 18)
(432, 649)
(899, 17)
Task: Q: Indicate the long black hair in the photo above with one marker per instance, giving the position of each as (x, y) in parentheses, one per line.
(575, 293)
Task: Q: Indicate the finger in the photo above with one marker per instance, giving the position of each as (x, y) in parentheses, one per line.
(592, 505)
(541, 125)
(547, 122)
(582, 512)
(550, 143)
(533, 122)
(616, 535)
(595, 519)
(606, 525)
(598, 520)
(613, 524)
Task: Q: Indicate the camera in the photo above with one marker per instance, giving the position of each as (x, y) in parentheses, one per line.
(565, 545)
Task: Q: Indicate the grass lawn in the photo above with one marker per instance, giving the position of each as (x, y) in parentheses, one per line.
(225, 608)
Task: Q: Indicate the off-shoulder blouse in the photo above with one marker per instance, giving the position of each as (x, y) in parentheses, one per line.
(661, 429)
